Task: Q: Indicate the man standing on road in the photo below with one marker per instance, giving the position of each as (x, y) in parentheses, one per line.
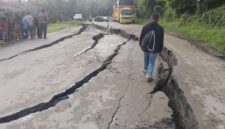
(43, 22)
(30, 20)
(25, 27)
(36, 26)
(151, 42)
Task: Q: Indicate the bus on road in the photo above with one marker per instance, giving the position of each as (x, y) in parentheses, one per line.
(124, 11)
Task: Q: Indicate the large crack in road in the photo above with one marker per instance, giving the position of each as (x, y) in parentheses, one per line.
(117, 108)
(40, 72)
(183, 114)
(64, 95)
(96, 39)
(83, 28)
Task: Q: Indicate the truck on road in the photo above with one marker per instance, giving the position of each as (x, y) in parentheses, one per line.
(124, 11)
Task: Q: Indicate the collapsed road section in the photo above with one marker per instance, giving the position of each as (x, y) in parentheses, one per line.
(183, 114)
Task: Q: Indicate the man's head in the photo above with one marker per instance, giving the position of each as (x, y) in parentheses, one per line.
(42, 10)
(155, 17)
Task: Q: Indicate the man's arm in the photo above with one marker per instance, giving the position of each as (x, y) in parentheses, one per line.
(143, 32)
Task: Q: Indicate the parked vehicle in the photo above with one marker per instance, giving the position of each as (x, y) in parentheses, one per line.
(101, 19)
(78, 17)
(124, 11)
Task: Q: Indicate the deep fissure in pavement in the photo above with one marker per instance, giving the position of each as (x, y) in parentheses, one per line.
(120, 32)
(183, 114)
(96, 40)
(83, 28)
(182, 111)
(64, 95)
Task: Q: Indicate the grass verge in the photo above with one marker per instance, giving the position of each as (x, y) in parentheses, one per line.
(54, 27)
(213, 36)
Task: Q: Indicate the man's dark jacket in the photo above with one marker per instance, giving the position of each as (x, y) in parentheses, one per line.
(159, 36)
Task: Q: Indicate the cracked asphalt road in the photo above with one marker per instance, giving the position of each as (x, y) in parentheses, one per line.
(113, 99)
(200, 75)
(116, 97)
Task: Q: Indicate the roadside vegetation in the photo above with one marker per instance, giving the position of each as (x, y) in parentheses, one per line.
(202, 20)
(54, 27)
(212, 35)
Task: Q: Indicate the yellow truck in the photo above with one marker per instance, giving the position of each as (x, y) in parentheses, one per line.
(123, 11)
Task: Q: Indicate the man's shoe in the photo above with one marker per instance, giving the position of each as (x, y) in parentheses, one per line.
(149, 79)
